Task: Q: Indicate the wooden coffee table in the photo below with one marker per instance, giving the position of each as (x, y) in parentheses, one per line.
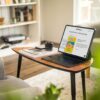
(73, 70)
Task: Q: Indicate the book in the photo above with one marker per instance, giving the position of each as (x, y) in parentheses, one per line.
(38, 52)
(3, 2)
(8, 2)
(15, 1)
(33, 12)
(33, 51)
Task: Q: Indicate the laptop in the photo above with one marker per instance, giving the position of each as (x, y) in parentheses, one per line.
(74, 46)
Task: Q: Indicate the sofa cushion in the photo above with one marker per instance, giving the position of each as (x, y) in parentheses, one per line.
(96, 52)
(2, 73)
(12, 83)
(21, 94)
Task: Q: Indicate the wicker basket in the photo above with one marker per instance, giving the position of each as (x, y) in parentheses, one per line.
(1, 20)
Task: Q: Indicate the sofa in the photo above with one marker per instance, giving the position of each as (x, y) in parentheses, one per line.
(13, 86)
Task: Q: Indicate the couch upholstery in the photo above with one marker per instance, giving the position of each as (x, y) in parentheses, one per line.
(10, 84)
(2, 73)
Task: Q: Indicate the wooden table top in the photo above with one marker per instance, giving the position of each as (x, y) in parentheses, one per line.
(75, 69)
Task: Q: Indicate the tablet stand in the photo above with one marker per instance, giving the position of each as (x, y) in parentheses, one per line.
(88, 56)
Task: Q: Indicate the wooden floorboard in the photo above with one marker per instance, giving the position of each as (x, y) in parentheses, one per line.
(29, 68)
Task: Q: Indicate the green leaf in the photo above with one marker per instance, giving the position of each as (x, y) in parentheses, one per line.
(13, 96)
(51, 93)
(96, 55)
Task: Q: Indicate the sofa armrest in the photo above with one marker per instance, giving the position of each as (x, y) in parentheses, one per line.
(2, 73)
(12, 83)
(24, 94)
(96, 52)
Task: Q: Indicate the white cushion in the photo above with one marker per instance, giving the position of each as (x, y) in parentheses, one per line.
(25, 93)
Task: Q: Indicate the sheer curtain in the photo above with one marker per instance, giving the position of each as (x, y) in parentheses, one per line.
(95, 11)
(86, 11)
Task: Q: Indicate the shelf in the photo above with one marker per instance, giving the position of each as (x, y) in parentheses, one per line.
(7, 11)
(17, 24)
(18, 4)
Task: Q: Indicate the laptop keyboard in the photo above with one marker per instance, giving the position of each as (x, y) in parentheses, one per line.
(64, 60)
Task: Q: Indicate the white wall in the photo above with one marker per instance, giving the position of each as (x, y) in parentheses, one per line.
(55, 14)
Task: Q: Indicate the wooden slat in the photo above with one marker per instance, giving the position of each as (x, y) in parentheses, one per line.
(29, 68)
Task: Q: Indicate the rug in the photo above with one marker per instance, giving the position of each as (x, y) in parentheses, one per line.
(61, 79)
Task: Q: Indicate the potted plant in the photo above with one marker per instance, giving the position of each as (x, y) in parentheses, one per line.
(51, 93)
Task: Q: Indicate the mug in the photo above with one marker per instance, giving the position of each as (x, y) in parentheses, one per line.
(49, 46)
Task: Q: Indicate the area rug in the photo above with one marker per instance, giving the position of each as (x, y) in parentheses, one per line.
(61, 79)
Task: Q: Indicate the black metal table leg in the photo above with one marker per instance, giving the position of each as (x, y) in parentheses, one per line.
(73, 86)
(19, 65)
(83, 84)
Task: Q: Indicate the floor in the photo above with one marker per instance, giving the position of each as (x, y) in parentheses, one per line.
(62, 79)
(29, 68)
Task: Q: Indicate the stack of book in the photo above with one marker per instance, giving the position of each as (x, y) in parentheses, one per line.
(6, 2)
(21, 14)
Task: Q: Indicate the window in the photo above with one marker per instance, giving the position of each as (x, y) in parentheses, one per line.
(95, 11)
(83, 11)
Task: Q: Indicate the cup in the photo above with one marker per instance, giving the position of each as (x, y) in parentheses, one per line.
(48, 46)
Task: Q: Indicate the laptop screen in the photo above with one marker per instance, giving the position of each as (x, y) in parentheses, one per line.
(76, 40)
